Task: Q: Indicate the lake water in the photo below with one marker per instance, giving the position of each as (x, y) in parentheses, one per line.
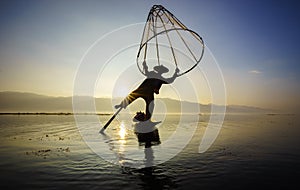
(252, 150)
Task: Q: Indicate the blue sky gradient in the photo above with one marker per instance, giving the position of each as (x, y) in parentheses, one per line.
(256, 43)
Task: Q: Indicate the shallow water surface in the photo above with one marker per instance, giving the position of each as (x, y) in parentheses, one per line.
(252, 150)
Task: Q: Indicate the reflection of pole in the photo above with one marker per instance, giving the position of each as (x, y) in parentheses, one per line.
(120, 156)
(110, 120)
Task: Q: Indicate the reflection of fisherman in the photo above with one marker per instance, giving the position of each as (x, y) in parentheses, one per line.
(149, 86)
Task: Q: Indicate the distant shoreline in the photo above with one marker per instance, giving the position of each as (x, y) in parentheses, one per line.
(109, 114)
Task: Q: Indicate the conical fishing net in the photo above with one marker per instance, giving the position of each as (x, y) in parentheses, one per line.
(166, 41)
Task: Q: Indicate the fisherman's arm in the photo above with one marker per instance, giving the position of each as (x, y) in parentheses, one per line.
(145, 68)
(171, 80)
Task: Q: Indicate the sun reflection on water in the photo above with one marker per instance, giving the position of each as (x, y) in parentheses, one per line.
(122, 131)
(122, 141)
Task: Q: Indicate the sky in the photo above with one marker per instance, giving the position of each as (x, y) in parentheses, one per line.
(255, 43)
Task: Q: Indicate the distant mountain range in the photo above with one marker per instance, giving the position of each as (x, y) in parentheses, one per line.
(14, 102)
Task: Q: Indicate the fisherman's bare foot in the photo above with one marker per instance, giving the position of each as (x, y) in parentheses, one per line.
(117, 106)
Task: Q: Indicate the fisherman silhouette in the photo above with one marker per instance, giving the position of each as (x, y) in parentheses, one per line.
(149, 86)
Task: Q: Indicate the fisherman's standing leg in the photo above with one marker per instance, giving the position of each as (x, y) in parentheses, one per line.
(149, 106)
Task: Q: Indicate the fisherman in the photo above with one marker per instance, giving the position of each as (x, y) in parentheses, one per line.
(149, 86)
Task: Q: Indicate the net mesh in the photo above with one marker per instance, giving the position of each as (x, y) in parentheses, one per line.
(166, 41)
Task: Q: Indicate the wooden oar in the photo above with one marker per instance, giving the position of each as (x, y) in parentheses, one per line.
(110, 120)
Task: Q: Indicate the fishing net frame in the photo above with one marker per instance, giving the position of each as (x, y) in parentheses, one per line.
(156, 12)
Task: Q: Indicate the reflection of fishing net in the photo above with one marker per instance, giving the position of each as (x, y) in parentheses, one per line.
(166, 41)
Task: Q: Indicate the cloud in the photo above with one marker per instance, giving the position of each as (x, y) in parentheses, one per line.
(255, 72)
